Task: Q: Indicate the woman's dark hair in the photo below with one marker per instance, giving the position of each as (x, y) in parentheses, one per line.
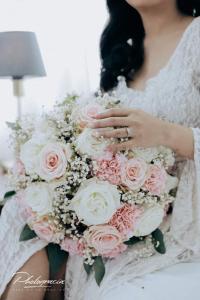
(122, 50)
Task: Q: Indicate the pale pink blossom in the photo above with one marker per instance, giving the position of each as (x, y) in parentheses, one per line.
(133, 172)
(108, 168)
(28, 214)
(125, 218)
(72, 246)
(43, 230)
(25, 211)
(103, 238)
(18, 168)
(156, 180)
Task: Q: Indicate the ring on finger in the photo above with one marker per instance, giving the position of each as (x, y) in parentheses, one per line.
(129, 132)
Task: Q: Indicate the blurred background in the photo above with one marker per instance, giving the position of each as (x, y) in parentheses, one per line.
(68, 33)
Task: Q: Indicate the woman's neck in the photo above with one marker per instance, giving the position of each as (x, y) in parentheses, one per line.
(160, 19)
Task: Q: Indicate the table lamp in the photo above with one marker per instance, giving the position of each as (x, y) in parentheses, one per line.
(20, 57)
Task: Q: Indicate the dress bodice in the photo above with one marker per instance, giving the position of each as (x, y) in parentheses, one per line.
(174, 93)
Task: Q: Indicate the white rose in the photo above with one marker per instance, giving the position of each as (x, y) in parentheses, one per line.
(53, 160)
(85, 114)
(29, 154)
(96, 202)
(147, 154)
(39, 197)
(149, 220)
(87, 144)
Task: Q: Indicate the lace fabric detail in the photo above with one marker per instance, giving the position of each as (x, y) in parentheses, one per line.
(13, 253)
(174, 95)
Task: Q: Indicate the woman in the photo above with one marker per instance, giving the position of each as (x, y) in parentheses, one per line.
(154, 46)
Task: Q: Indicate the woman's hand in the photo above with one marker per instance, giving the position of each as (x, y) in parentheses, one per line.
(143, 130)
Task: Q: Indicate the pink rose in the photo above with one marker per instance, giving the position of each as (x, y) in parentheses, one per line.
(53, 161)
(108, 168)
(86, 114)
(156, 179)
(72, 246)
(125, 218)
(43, 230)
(115, 252)
(133, 173)
(103, 238)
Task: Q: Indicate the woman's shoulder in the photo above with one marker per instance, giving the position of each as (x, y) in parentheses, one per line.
(188, 51)
(195, 32)
(193, 45)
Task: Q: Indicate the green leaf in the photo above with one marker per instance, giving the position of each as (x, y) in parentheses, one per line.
(13, 126)
(99, 269)
(9, 194)
(27, 234)
(2, 202)
(87, 268)
(134, 240)
(158, 241)
(56, 258)
(6, 197)
(173, 192)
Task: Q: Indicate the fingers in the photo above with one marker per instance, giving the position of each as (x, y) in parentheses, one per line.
(114, 112)
(111, 133)
(110, 122)
(121, 147)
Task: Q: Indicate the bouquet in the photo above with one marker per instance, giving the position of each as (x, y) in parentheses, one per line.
(79, 197)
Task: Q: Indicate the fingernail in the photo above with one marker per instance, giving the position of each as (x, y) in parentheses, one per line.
(96, 116)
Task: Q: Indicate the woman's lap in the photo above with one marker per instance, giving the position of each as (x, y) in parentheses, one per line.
(180, 282)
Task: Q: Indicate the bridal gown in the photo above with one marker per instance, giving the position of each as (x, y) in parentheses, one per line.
(174, 95)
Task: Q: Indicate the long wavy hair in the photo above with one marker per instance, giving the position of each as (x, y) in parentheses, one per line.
(121, 45)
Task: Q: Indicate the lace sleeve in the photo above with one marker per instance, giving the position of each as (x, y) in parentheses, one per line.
(196, 81)
(196, 132)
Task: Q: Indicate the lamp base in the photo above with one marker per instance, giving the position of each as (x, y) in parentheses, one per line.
(18, 92)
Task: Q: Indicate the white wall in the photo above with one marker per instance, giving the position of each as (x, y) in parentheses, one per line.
(68, 33)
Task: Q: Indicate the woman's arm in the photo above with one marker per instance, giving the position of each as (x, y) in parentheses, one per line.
(180, 139)
(143, 130)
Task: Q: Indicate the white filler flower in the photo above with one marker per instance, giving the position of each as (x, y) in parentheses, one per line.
(96, 201)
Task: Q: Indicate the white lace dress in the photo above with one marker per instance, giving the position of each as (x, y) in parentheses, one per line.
(174, 95)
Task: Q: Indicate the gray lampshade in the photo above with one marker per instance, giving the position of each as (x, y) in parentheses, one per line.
(20, 55)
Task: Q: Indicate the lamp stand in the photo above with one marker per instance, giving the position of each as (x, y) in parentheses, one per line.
(18, 92)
